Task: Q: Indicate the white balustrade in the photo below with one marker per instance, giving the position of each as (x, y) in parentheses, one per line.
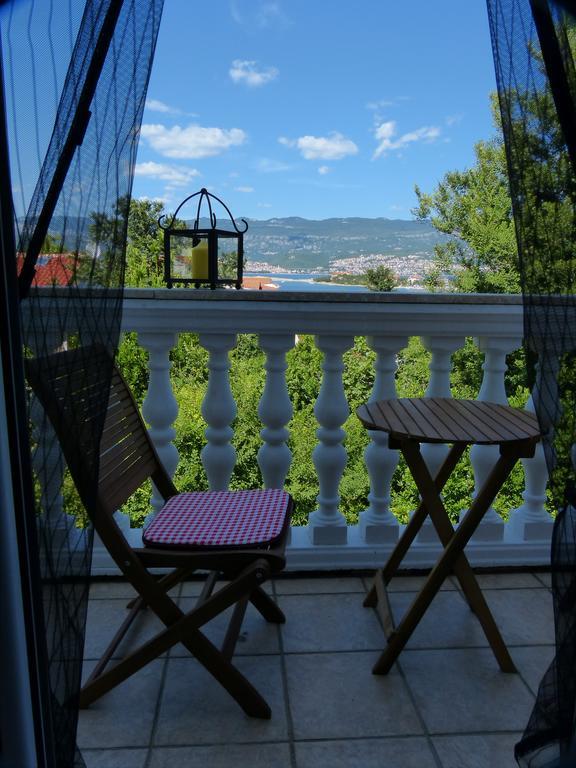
(531, 521)
(441, 350)
(219, 410)
(275, 411)
(484, 457)
(387, 320)
(160, 408)
(377, 524)
(327, 525)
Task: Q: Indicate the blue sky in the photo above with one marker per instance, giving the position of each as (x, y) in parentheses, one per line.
(314, 108)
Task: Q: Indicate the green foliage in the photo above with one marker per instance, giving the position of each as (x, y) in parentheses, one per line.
(474, 207)
(381, 278)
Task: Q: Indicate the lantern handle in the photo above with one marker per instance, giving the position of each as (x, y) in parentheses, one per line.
(163, 222)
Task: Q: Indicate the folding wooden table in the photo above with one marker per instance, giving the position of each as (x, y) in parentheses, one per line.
(410, 422)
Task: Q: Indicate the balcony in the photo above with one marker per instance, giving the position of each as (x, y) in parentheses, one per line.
(387, 321)
(445, 704)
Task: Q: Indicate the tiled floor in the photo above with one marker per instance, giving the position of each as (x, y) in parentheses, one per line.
(444, 705)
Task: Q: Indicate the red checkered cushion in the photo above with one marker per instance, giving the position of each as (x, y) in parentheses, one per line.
(220, 519)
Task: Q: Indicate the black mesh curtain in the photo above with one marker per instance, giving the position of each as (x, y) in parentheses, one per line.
(534, 44)
(76, 74)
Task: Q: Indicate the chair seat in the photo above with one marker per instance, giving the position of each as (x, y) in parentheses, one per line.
(221, 519)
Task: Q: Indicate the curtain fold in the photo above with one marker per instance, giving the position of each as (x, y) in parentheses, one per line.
(534, 45)
(76, 80)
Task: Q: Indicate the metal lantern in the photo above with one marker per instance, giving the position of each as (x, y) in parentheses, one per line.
(203, 255)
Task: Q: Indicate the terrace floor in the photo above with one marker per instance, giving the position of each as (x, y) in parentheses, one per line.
(444, 705)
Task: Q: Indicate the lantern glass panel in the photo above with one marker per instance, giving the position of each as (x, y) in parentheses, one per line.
(228, 257)
(188, 261)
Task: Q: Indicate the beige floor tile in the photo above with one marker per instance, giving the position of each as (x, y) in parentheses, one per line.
(486, 751)
(533, 662)
(111, 588)
(415, 584)
(115, 758)
(196, 710)
(525, 616)
(231, 756)
(508, 581)
(257, 634)
(412, 752)
(312, 585)
(448, 622)
(124, 716)
(336, 696)
(545, 577)
(329, 623)
(104, 619)
(464, 691)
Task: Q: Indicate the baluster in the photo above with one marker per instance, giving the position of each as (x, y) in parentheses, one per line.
(441, 349)
(160, 408)
(219, 410)
(377, 523)
(327, 525)
(483, 457)
(531, 521)
(275, 411)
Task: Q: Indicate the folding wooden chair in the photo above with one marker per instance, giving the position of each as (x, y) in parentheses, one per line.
(238, 536)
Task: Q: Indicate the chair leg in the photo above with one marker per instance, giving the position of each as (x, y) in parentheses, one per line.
(266, 606)
(184, 628)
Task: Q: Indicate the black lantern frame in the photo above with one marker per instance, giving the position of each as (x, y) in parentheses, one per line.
(203, 263)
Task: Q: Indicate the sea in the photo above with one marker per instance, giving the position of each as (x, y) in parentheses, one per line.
(305, 281)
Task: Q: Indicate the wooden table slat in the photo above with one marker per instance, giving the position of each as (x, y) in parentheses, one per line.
(448, 420)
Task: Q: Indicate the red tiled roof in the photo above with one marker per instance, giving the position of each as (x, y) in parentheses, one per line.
(52, 269)
(258, 283)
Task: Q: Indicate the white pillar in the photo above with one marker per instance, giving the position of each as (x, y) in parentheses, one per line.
(327, 525)
(160, 408)
(484, 457)
(219, 410)
(441, 349)
(275, 411)
(531, 521)
(377, 523)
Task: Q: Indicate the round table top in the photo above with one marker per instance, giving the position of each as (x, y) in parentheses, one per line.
(450, 420)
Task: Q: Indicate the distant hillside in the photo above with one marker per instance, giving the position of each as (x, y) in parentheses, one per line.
(297, 243)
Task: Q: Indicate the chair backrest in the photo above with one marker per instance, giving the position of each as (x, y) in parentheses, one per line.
(127, 457)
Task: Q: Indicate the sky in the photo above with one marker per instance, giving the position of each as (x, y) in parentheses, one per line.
(314, 108)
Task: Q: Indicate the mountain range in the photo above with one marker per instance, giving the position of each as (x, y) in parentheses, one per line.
(307, 244)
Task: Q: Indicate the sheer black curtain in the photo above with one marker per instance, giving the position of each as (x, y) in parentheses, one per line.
(534, 45)
(76, 75)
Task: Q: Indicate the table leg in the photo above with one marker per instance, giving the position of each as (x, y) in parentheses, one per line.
(452, 552)
(383, 575)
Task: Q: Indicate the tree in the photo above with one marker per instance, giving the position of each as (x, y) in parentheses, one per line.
(381, 278)
(473, 206)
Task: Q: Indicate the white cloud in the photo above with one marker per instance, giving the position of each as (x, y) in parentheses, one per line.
(177, 176)
(332, 147)
(453, 119)
(267, 165)
(264, 205)
(385, 132)
(244, 189)
(323, 170)
(247, 72)
(379, 104)
(194, 141)
(265, 14)
(155, 105)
